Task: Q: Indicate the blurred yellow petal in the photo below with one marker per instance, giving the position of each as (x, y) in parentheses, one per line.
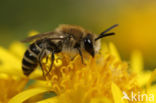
(9, 63)
(136, 62)
(21, 97)
(8, 59)
(33, 32)
(152, 79)
(17, 49)
(41, 83)
(114, 51)
(37, 74)
(117, 94)
(10, 86)
(104, 48)
(152, 92)
(49, 100)
(101, 100)
(142, 78)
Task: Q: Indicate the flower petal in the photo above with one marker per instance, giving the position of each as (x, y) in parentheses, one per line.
(152, 78)
(114, 51)
(100, 100)
(21, 97)
(136, 62)
(17, 49)
(117, 94)
(9, 63)
(49, 100)
(33, 32)
(143, 78)
(152, 94)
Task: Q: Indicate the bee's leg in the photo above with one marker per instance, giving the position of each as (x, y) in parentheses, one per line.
(42, 54)
(46, 59)
(52, 62)
(80, 52)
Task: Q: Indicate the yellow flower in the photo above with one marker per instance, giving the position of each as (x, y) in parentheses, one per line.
(78, 83)
(10, 86)
(103, 79)
(12, 80)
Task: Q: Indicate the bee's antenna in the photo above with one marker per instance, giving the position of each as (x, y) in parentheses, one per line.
(103, 34)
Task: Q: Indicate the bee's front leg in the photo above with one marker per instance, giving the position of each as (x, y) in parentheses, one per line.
(80, 52)
(52, 62)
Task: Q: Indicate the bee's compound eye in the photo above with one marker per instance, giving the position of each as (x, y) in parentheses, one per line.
(88, 43)
(89, 46)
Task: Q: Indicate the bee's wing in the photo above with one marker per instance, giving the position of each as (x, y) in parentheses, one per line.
(54, 35)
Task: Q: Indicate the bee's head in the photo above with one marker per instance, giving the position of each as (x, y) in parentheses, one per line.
(92, 45)
(88, 44)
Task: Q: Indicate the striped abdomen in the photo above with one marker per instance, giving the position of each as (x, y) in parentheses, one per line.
(30, 59)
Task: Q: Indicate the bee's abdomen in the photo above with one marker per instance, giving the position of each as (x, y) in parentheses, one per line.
(30, 59)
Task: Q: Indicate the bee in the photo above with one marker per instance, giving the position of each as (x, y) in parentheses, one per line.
(66, 38)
